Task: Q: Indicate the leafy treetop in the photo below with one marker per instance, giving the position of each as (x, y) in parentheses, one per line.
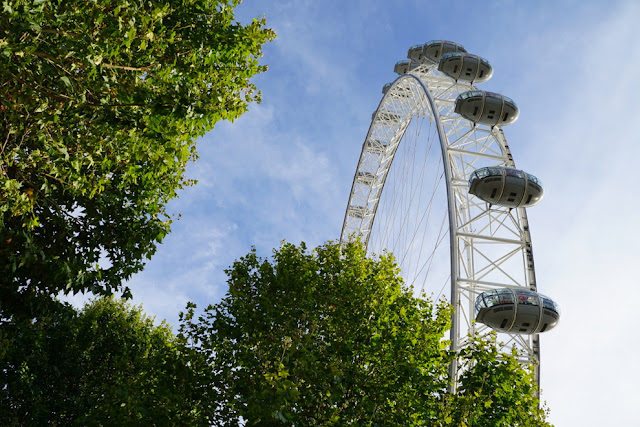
(100, 104)
(332, 337)
(322, 338)
(107, 364)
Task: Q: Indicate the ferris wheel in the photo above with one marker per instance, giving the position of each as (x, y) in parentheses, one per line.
(436, 185)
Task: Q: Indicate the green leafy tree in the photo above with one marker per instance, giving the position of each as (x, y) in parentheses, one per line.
(322, 338)
(331, 337)
(495, 390)
(100, 104)
(105, 365)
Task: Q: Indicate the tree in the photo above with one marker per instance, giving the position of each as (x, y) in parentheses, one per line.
(494, 389)
(100, 104)
(105, 365)
(331, 337)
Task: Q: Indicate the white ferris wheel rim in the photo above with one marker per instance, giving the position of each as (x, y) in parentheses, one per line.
(473, 225)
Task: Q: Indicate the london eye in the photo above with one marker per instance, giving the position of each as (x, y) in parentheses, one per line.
(437, 185)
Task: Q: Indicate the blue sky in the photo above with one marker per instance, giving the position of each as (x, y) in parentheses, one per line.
(283, 171)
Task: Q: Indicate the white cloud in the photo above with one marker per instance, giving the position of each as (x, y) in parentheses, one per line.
(186, 267)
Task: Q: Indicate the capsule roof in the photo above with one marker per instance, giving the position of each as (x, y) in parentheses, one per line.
(517, 311)
(431, 51)
(507, 187)
(465, 67)
(435, 49)
(503, 170)
(486, 108)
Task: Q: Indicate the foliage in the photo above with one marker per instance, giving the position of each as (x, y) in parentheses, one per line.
(107, 365)
(328, 337)
(331, 337)
(100, 103)
(495, 390)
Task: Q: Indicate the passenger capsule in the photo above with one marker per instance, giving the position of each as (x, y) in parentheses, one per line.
(415, 53)
(503, 186)
(518, 311)
(430, 52)
(404, 66)
(465, 67)
(486, 108)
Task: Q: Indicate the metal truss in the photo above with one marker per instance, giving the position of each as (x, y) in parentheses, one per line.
(490, 246)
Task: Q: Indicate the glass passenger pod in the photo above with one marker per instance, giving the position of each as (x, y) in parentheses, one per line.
(430, 52)
(404, 66)
(517, 311)
(433, 50)
(486, 108)
(502, 186)
(415, 53)
(465, 67)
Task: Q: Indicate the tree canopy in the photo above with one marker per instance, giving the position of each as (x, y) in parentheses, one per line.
(104, 365)
(323, 337)
(331, 337)
(100, 105)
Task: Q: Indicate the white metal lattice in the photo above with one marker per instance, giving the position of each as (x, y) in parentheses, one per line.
(490, 247)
